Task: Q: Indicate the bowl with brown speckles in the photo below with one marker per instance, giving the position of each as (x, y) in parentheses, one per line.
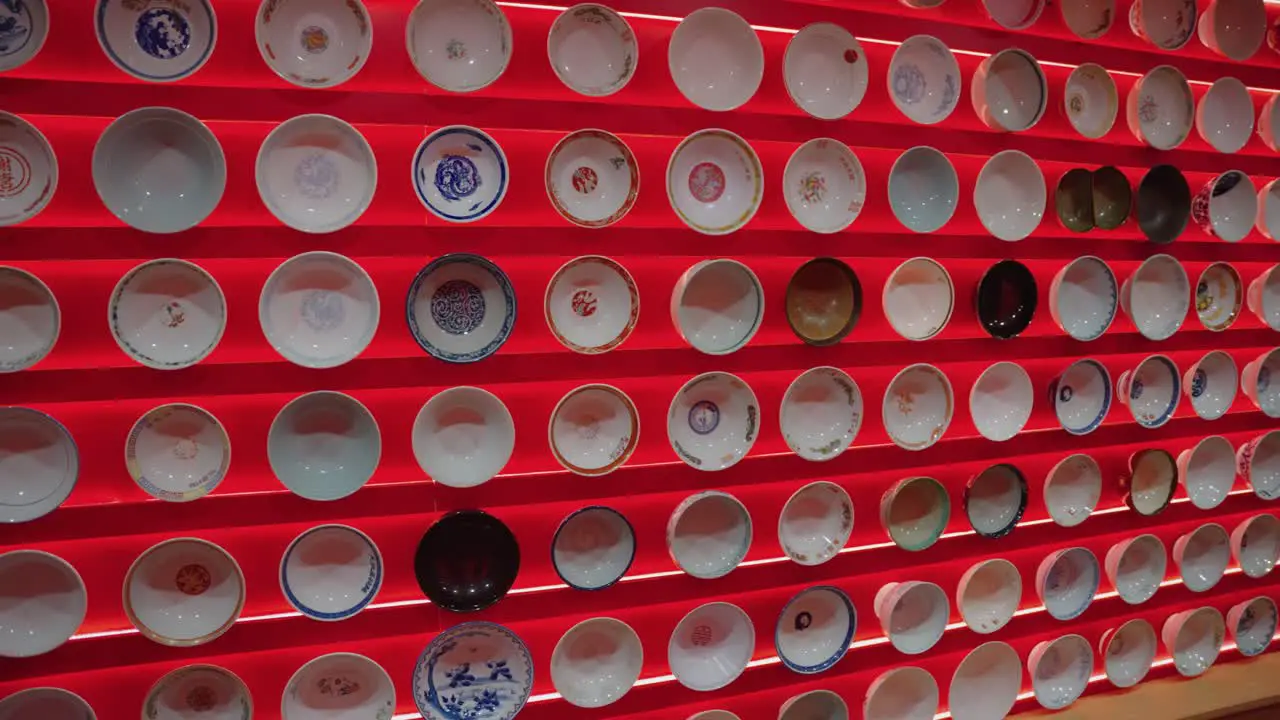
(1112, 198)
(1073, 200)
(824, 301)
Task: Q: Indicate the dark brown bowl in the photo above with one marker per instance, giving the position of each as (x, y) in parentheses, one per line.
(1164, 204)
(824, 301)
(1112, 198)
(1074, 200)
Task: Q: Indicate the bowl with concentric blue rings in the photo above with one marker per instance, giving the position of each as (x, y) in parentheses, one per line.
(460, 173)
(461, 308)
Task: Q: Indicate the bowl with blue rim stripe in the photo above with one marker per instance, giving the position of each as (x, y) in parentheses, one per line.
(460, 173)
(331, 572)
(1081, 396)
(461, 308)
(815, 629)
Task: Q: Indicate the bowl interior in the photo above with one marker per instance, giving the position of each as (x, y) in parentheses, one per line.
(1073, 200)
(1259, 545)
(1129, 653)
(331, 572)
(1070, 583)
(825, 71)
(324, 445)
(34, 177)
(592, 178)
(1158, 297)
(44, 605)
(986, 683)
(167, 314)
(338, 685)
(1214, 382)
(459, 45)
(593, 50)
(1001, 400)
(918, 299)
(1014, 14)
(1210, 472)
(1112, 198)
(592, 304)
(184, 592)
(1086, 298)
(1164, 107)
(1016, 90)
(710, 535)
(461, 308)
(1091, 98)
(917, 513)
(923, 189)
(195, 690)
(918, 618)
(1062, 672)
(720, 306)
(178, 452)
(460, 173)
(1238, 28)
(1163, 204)
(824, 301)
(1082, 396)
(467, 561)
(1219, 295)
(1072, 490)
(1204, 557)
(319, 310)
(1225, 115)
(596, 662)
(1010, 195)
(995, 500)
(815, 523)
(711, 646)
(918, 407)
(713, 420)
(715, 181)
(593, 548)
(316, 173)
(39, 463)
(1154, 391)
(1155, 475)
(990, 596)
(903, 693)
(815, 704)
(1264, 466)
(1140, 569)
(716, 59)
(924, 79)
(464, 436)
(320, 43)
(1268, 392)
(1007, 298)
(1233, 205)
(1198, 642)
(1268, 220)
(45, 702)
(825, 185)
(815, 629)
(593, 429)
(1256, 626)
(821, 413)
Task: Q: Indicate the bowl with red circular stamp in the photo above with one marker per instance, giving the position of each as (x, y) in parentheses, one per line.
(338, 686)
(183, 592)
(715, 182)
(28, 166)
(594, 429)
(46, 703)
(314, 43)
(825, 71)
(177, 452)
(711, 646)
(824, 704)
(26, 27)
(44, 603)
(592, 178)
(198, 692)
(592, 304)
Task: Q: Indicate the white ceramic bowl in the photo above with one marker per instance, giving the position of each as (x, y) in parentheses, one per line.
(1160, 110)
(30, 319)
(1072, 489)
(918, 407)
(1258, 462)
(592, 49)
(593, 429)
(156, 43)
(824, 185)
(821, 413)
(316, 173)
(918, 298)
(912, 614)
(32, 165)
(708, 534)
(903, 693)
(1066, 582)
(314, 44)
(198, 692)
(1151, 390)
(470, 645)
(1091, 99)
(995, 499)
(711, 646)
(1167, 24)
(593, 548)
(1157, 296)
(460, 173)
(1014, 14)
(923, 189)
(1255, 544)
(815, 629)
(592, 304)
(338, 686)
(183, 592)
(1257, 382)
(1227, 206)
(44, 604)
(815, 523)
(1234, 28)
(1219, 296)
(1083, 298)
(167, 314)
(1060, 670)
(1264, 297)
(1194, 639)
(1136, 567)
(1253, 625)
(823, 704)
(592, 178)
(715, 59)
(1010, 195)
(1269, 123)
(1224, 117)
(463, 436)
(319, 309)
(1207, 471)
(713, 421)
(159, 170)
(1151, 482)
(459, 45)
(986, 683)
(1268, 220)
(1202, 556)
(1088, 19)
(461, 308)
(39, 464)
(717, 306)
(1128, 652)
(177, 452)
(596, 662)
(324, 445)
(988, 595)
(1082, 396)
(46, 703)
(825, 71)
(924, 79)
(914, 512)
(714, 181)
(1000, 401)
(331, 572)
(1009, 90)
(714, 715)
(25, 37)
(1211, 383)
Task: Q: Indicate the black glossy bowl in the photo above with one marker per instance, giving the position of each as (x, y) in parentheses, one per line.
(1006, 299)
(467, 561)
(995, 499)
(1163, 204)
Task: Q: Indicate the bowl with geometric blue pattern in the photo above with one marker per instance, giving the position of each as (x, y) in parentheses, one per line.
(461, 308)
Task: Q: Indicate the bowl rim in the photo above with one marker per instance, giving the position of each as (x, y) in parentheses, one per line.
(25, 126)
(504, 29)
(100, 32)
(726, 15)
(206, 486)
(749, 153)
(475, 133)
(555, 538)
(625, 153)
(951, 287)
(626, 35)
(857, 47)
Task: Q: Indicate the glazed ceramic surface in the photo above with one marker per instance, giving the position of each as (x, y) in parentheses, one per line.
(1234, 28)
(314, 43)
(1227, 206)
(1090, 98)
(1157, 296)
(715, 59)
(824, 185)
(39, 464)
(156, 42)
(825, 71)
(1255, 544)
(1167, 24)
(1160, 109)
(1257, 382)
(903, 693)
(715, 182)
(319, 309)
(593, 548)
(717, 306)
(1128, 652)
(594, 429)
(1268, 219)
(823, 301)
(338, 686)
(473, 668)
(324, 445)
(995, 499)
(1224, 117)
(711, 646)
(1258, 462)
(1073, 200)
(1112, 198)
(331, 572)
(1202, 556)
(815, 523)
(923, 189)
(1219, 296)
(924, 79)
(1072, 489)
(1208, 471)
(46, 703)
(989, 594)
(167, 314)
(466, 561)
(713, 421)
(1001, 400)
(1009, 90)
(26, 28)
(592, 178)
(460, 174)
(918, 407)
(821, 413)
(815, 704)
(1163, 204)
(592, 304)
(1014, 14)
(177, 452)
(986, 683)
(593, 50)
(463, 436)
(914, 512)
(1083, 298)
(918, 298)
(461, 308)
(1082, 396)
(1006, 299)
(30, 319)
(596, 662)
(1136, 567)
(184, 592)
(32, 168)
(1060, 670)
(459, 45)
(708, 534)
(207, 692)
(1194, 638)
(1253, 625)
(1152, 481)
(45, 603)
(1010, 195)
(913, 615)
(316, 173)
(1066, 582)
(1151, 390)
(815, 629)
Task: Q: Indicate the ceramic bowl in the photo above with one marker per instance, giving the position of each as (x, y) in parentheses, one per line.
(1112, 198)
(1090, 99)
(1234, 28)
(47, 703)
(714, 715)
(1001, 400)
(988, 595)
(1227, 206)
(713, 421)
(1167, 24)
(815, 629)
(815, 704)
(1211, 384)
(714, 181)
(1258, 462)
(824, 185)
(159, 170)
(903, 693)
(1163, 204)
(324, 445)
(317, 44)
(912, 614)
(596, 662)
(39, 464)
(183, 592)
(1194, 639)
(338, 685)
(1073, 200)
(1082, 396)
(1224, 117)
(825, 71)
(1009, 90)
(1136, 568)
(157, 44)
(708, 534)
(198, 691)
(464, 436)
(1202, 556)
(593, 430)
(331, 572)
(1269, 122)
(1066, 582)
(1014, 14)
(459, 45)
(593, 50)
(316, 173)
(1128, 652)
(715, 59)
(593, 548)
(918, 298)
(473, 645)
(1010, 195)
(717, 306)
(1151, 481)
(27, 26)
(1207, 471)
(922, 4)
(177, 452)
(815, 523)
(924, 79)
(1083, 298)
(167, 314)
(1072, 489)
(1151, 390)
(821, 413)
(30, 158)
(30, 319)
(591, 176)
(460, 174)
(1060, 670)
(461, 308)
(914, 512)
(1157, 296)
(1255, 380)
(823, 301)
(995, 499)
(45, 602)
(319, 309)
(1255, 544)
(1253, 625)
(1006, 299)
(711, 646)
(918, 407)
(1219, 295)
(923, 189)
(466, 561)
(592, 304)
(1160, 109)
(1268, 220)
(986, 683)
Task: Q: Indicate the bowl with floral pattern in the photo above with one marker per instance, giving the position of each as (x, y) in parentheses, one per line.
(461, 308)
(924, 79)
(314, 43)
(339, 685)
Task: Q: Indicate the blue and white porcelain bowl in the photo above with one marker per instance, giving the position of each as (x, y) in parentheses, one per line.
(1066, 582)
(461, 308)
(319, 309)
(316, 173)
(924, 79)
(314, 43)
(339, 686)
(460, 173)
(815, 629)
(331, 572)
(1151, 390)
(473, 670)
(1083, 298)
(156, 41)
(24, 25)
(1081, 396)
